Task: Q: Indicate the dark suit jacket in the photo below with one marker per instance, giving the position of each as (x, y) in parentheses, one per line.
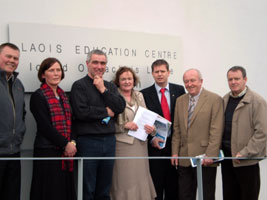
(153, 104)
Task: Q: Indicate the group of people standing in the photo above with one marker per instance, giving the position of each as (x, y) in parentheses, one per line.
(94, 122)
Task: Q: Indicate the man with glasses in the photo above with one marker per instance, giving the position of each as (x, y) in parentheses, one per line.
(95, 103)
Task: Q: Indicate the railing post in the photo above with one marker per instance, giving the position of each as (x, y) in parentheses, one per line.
(80, 179)
(199, 179)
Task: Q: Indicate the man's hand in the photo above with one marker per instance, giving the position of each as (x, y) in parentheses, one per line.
(99, 83)
(174, 161)
(149, 129)
(207, 162)
(155, 142)
(238, 155)
(110, 112)
(131, 126)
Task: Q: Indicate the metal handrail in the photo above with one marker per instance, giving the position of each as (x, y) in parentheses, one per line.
(81, 159)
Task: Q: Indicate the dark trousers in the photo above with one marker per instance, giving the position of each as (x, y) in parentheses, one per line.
(188, 183)
(164, 175)
(240, 183)
(97, 174)
(10, 178)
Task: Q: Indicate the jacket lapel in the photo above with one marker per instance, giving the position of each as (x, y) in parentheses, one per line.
(185, 107)
(200, 103)
(172, 96)
(155, 100)
(245, 100)
(225, 101)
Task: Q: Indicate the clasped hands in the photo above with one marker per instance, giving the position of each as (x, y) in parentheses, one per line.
(70, 149)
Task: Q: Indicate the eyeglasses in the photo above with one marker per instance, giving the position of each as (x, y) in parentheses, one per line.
(96, 62)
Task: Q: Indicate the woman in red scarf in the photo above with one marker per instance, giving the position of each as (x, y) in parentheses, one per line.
(52, 179)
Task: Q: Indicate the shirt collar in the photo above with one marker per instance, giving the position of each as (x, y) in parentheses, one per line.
(240, 94)
(158, 87)
(11, 77)
(197, 96)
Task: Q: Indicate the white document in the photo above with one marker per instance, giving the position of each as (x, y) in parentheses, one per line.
(142, 117)
(162, 129)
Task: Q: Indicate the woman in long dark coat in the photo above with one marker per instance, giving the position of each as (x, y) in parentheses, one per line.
(52, 179)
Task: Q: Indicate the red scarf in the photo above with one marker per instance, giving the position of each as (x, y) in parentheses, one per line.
(60, 116)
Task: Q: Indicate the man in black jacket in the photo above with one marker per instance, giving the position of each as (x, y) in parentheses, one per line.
(164, 175)
(95, 104)
(12, 126)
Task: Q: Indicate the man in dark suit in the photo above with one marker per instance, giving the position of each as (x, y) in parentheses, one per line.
(164, 175)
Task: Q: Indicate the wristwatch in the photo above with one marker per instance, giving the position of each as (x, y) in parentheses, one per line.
(73, 142)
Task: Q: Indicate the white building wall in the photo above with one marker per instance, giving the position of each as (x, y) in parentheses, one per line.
(215, 34)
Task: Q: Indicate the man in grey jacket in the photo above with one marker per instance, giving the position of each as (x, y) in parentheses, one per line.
(245, 135)
(12, 126)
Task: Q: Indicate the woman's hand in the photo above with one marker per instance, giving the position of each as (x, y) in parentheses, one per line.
(70, 149)
(149, 129)
(131, 126)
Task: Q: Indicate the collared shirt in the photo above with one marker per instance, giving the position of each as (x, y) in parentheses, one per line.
(167, 94)
(196, 98)
(240, 94)
(10, 77)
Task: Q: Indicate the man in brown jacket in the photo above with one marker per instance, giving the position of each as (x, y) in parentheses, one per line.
(244, 135)
(197, 130)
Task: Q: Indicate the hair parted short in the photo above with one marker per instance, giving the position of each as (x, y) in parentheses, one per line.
(45, 65)
(238, 68)
(158, 63)
(120, 71)
(10, 45)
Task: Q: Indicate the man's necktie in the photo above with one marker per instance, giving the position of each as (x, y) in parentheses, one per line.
(164, 105)
(190, 110)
